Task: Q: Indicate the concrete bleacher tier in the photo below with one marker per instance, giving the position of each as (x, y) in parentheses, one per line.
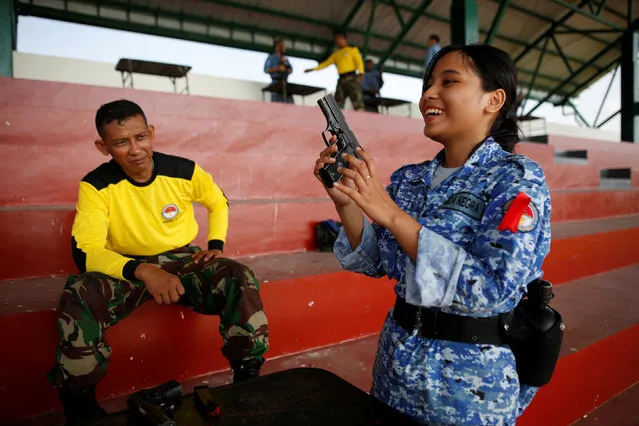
(262, 156)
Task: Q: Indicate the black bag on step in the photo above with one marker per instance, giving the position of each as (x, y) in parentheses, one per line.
(326, 233)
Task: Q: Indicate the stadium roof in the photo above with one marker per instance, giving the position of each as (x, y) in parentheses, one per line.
(560, 46)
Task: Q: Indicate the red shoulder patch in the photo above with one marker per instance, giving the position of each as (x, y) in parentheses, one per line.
(521, 215)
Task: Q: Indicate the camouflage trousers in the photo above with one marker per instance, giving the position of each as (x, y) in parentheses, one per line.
(348, 86)
(93, 302)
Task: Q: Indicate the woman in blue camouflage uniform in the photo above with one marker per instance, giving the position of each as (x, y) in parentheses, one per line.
(462, 234)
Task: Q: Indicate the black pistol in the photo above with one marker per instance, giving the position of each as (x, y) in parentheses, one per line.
(152, 404)
(346, 141)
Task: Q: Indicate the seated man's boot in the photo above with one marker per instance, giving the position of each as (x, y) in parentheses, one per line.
(246, 369)
(80, 405)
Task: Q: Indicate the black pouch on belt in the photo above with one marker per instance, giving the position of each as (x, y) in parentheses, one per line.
(534, 331)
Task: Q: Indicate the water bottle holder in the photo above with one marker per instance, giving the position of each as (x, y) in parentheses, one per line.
(536, 349)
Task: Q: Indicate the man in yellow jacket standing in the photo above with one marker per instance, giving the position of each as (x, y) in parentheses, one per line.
(350, 68)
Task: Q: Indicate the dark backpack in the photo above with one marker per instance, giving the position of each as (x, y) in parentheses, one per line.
(326, 233)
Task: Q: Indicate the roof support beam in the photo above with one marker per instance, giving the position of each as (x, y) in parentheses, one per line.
(464, 24)
(8, 38)
(602, 5)
(291, 16)
(583, 32)
(351, 15)
(601, 53)
(532, 82)
(398, 14)
(633, 26)
(610, 117)
(604, 70)
(496, 22)
(405, 29)
(603, 101)
(581, 117)
(371, 20)
(630, 87)
(596, 18)
(344, 26)
(266, 11)
(497, 36)
(548, 32)
(561, 52)
(548, 20)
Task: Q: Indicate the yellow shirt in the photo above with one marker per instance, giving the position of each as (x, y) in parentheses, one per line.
(116, 216)
(346, 59)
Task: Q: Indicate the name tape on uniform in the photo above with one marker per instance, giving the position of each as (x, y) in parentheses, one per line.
(467, 203)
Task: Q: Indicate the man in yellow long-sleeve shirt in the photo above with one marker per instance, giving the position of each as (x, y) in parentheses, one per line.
(131, 241)
(350, 68)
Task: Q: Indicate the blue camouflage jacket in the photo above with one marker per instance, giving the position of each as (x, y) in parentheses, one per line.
(465, 265)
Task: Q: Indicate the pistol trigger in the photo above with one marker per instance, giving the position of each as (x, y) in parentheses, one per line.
(326, 140)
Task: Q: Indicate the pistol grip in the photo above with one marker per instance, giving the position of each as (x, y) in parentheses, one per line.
(326, 178)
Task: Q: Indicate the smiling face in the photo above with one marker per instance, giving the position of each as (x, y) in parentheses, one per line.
(130, 142)
(455, 107)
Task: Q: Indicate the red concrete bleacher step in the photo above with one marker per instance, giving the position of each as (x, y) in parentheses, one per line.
(255, 228)
(619, 411)
(596, 326)
(308, 299)
(259, 156)
(603, 154)
(571, 176)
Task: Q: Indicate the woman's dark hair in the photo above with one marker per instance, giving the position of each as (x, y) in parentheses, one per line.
(496, 70)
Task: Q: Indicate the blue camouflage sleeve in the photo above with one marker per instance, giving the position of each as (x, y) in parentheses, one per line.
(365, 259)
(491, 276)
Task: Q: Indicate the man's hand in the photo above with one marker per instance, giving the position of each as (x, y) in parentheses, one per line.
(163, 286)
(282, 67)
(360, 77)
(206, 255)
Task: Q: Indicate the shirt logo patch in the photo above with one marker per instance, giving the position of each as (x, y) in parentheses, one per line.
(467, 203)
(524, 214)
(170, 211)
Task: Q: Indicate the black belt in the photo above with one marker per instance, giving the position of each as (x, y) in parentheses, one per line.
(347, 74)
(183, 249)
(440, 325)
